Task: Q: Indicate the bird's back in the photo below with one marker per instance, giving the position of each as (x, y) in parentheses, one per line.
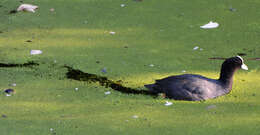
(190, 87)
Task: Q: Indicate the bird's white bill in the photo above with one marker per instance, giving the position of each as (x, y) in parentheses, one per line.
(244, 66)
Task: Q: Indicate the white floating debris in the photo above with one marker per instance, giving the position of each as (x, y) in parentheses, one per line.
(76, 89)
(8, 95)
(85, 22)
(107, 93)
(112, 32)
(51, 129)
(135, 116)
(35, 52)
(210, 25)
(151, 65)
(122, 5)
(52, 9)
(13, 84)
(211, 107)
(196, 48)
(27, 7)
(183, 71)
(168, 103)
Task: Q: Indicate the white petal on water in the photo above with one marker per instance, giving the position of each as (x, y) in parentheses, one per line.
(107, 93)
(112, 32)
(151, 65)
(122, 5)
(210, 25)
(135, 116)
(52, 9)
(35, 52)
(27, 7)
(76, 89)
(168, 103)
(196, 48)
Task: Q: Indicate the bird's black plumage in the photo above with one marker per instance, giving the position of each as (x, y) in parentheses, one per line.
(196, 87)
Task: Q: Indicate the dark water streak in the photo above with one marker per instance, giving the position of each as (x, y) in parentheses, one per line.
(78, 75)
(11, 65)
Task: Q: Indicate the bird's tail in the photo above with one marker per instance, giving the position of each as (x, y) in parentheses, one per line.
(153, 88)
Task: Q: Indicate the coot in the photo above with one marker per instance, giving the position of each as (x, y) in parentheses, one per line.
(193, 87)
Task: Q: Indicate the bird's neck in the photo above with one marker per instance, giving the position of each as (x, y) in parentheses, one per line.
(226, 77)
